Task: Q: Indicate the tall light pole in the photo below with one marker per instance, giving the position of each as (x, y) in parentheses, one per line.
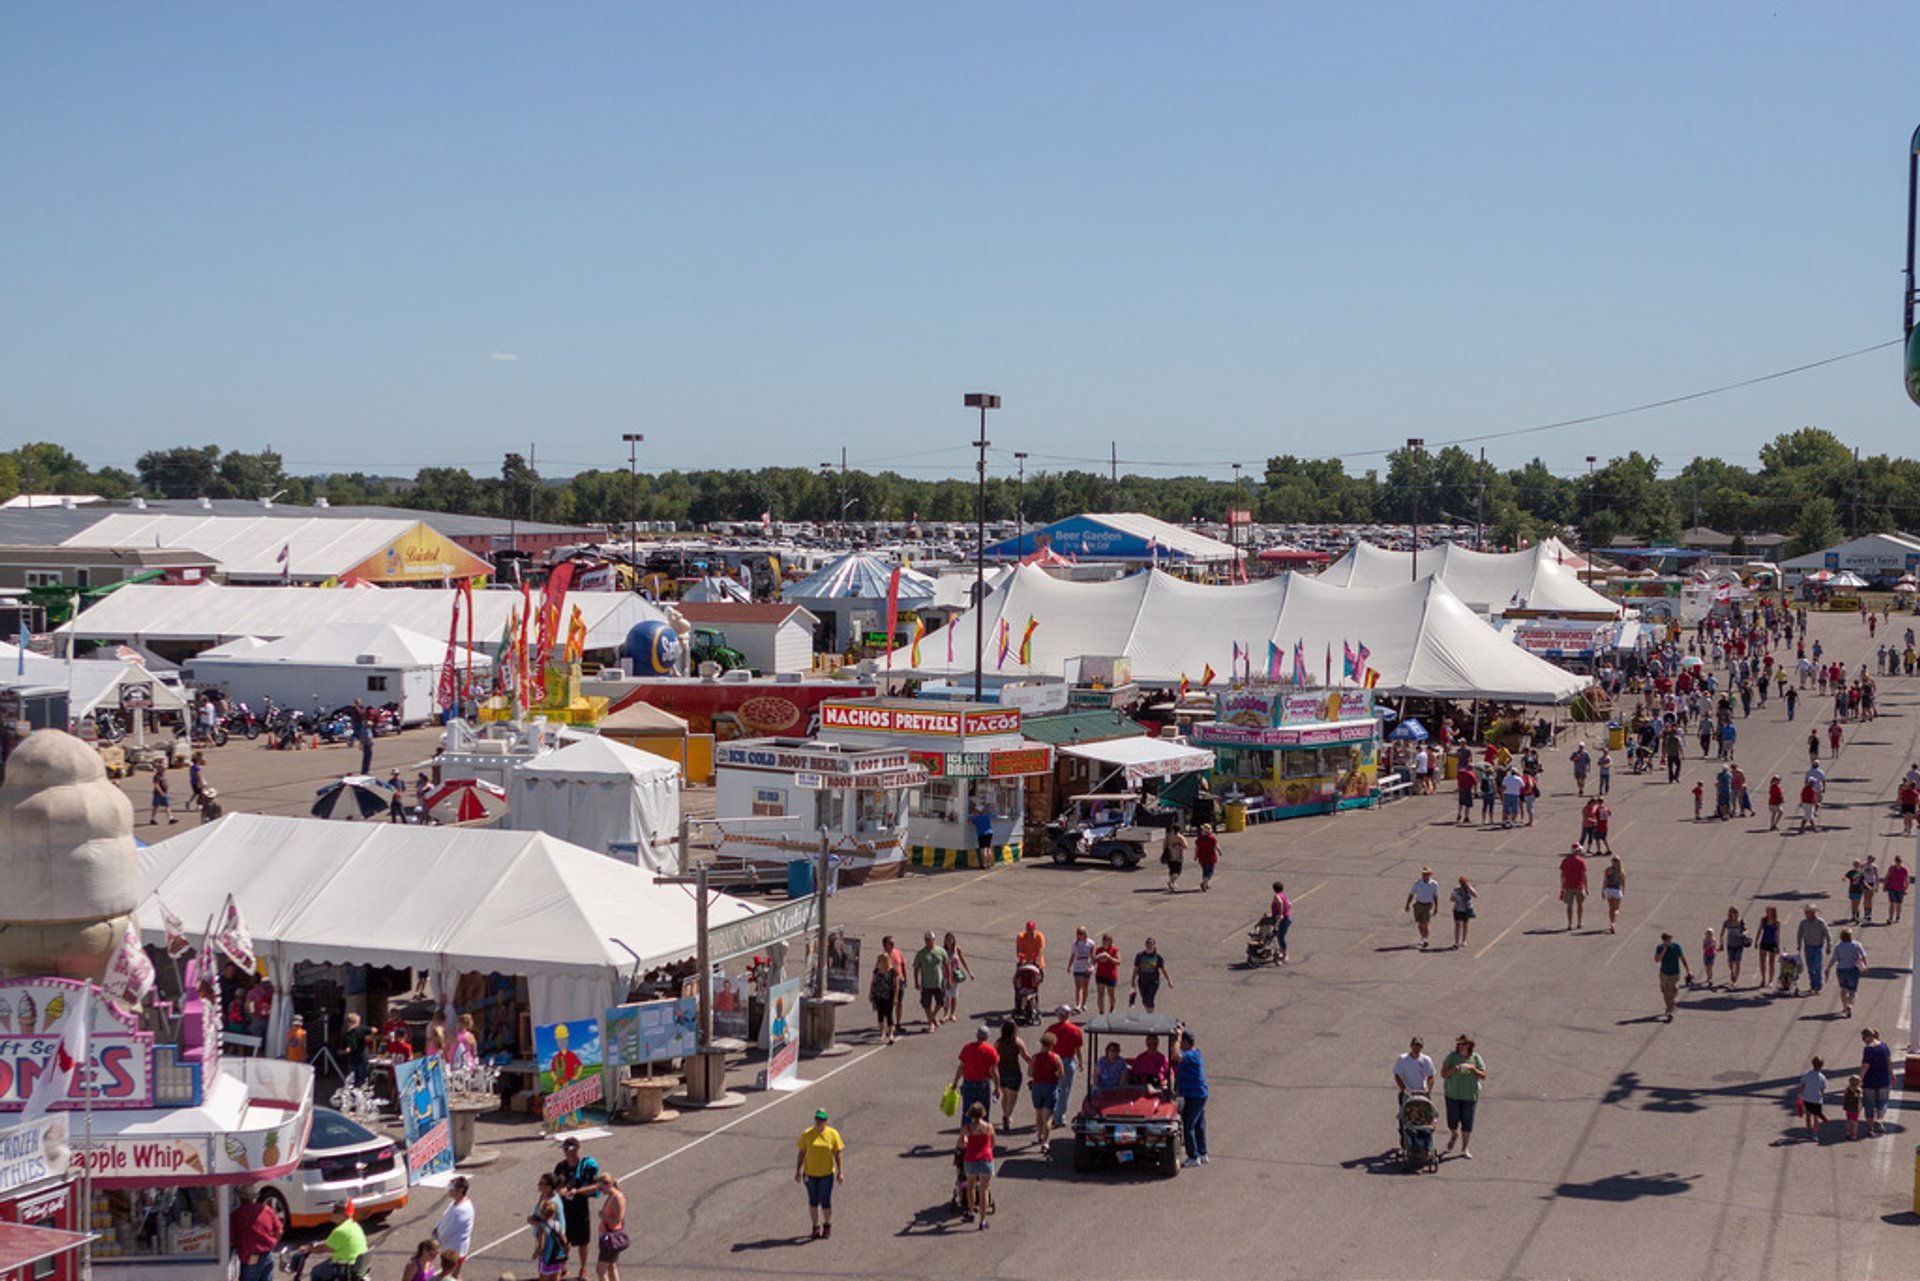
(840, 510)
(1590, 462)
(1414, 445)
(633, 439)
(982, 401)
(1019, 504)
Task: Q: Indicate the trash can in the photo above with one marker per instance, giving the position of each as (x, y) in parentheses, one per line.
(1236, 816)
(1616, 736)
(1450, 766)
(800, 878)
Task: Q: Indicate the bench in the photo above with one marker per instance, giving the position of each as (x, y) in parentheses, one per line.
(1394, 785)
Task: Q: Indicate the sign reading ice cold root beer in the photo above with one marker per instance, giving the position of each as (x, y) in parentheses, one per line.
(931, 722)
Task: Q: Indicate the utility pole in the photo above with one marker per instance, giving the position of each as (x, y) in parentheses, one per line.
(843, 493)
(1414, 445)
(1853, 527)
(1233, 537)
(1591, 459)
(633, 440)
(1020, 505)
(1480, 506)
(1113, 501)
(533, 472)
(982, 401)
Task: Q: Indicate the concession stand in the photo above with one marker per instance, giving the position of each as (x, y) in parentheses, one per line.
(1284, 753)
(976, 761)
(776, 799)
(39, 1202)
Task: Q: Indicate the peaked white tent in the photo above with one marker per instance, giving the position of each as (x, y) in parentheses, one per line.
(603, 796)
(443, 900)
(1419, 636)
(1533, 581)
(336, 663)
(94, 683)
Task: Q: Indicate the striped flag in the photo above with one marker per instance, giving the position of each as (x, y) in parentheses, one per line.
(1026, 641)
(1273, 661)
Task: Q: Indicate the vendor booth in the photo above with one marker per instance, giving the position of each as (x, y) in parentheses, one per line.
(975, 760)
(1284, 753)
(776, 799)
(1122, 764)
(603, 795)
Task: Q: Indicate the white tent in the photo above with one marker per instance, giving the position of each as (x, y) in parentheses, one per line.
(269, 549)
(210, 614)
(1419, 636)
(336, 663)
(1534, 581)
(603, 796)
(443, 900)
(95, 682)
(1140, 758)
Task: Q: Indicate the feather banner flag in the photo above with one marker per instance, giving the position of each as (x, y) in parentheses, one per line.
(1026, 641)
(1006, 643)
(56, 1079)
(893, 612)
(1360, 654)
(1183, 684)
(1329, 666)
(1206, 675)
(1372, 678)
(1233, 673)
(1350, 668)
(913, 646)
(1299, 662)
(1273, 661)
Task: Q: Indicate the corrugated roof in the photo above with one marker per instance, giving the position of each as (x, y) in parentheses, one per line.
(1086, 726)
(720, 613)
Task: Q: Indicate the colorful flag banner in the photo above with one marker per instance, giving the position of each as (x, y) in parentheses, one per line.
(1273, 661)
(1299, 662)
(129, 975)
(1350, 670)
(1026, 641)
(178, 944)
(1206, 675)
(233, 938)
(56, 1079)
(893, 612)
(913, 649)
(1006, 643)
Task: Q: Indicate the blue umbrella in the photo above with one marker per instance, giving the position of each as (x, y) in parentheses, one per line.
(1409, 731)
(363, 792)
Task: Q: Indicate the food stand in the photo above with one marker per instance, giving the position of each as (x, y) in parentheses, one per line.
(1293, 752)
(974, 757)
(39, 1202)
(776, 799)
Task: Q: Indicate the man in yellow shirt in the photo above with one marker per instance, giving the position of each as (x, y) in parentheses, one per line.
(344, 1246)
(819, 1166)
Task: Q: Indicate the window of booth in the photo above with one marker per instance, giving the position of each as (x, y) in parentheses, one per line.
(939, 800)
(1308, 763)
(155, 1223)
(1006, 794)
(879, 808)
(830, 809)
(1244, 766)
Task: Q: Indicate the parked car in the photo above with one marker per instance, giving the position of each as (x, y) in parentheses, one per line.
(345, 1161)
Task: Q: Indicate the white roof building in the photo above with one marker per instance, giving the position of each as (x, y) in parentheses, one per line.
(1876, 556)
(281, 548)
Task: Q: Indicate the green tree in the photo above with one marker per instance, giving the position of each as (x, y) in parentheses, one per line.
(1816, 528)
(182, 472)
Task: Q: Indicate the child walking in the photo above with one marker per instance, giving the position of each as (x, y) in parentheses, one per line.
(1699, 798)
(1709, 952)
(1850, 1104)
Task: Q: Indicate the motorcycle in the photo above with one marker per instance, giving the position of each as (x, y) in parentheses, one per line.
(242, 721)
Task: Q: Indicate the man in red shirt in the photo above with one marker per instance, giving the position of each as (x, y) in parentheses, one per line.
(1573, 887)
(255, 1230)
(978, 1074)
(1067, 1040)
(1206, 852)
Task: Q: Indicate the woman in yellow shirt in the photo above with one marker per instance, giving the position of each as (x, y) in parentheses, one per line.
(819, 1166)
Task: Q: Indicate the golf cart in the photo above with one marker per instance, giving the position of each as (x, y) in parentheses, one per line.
(1107, 827)
(1134, 1122)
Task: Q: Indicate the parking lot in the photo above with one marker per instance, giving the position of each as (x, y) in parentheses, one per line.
(1609, 1144)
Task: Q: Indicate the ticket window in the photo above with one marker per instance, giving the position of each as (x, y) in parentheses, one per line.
(939, 801)
(879, 809)
(156, 1223)
(1007, 795)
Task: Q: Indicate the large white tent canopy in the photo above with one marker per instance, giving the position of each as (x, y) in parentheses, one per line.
(94, 682)
(1490, 583)
(1420, 637)
(603, 796)
(1140, 758)
(443, 900)
(211, 614)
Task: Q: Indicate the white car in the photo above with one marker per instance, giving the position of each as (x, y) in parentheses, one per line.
(345, 1161)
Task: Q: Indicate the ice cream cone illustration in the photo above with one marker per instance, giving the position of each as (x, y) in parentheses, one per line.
(6, 1015)
(237, 1152)
(28, 1012)
(193, 1162)
(56, 1008)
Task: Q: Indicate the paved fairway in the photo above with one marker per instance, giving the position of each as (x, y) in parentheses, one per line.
(1609, 1144)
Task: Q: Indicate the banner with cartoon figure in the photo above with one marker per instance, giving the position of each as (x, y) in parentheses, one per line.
(570, 1072)
(781, 1035)
(422, 1087)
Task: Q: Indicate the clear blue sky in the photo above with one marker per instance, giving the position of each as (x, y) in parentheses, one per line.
(379, 237)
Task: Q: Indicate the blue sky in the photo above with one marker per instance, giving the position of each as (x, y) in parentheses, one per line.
(757, 232)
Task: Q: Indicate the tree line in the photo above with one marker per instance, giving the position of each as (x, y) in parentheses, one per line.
(1808, 484)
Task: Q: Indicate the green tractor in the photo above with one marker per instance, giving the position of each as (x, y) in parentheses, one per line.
(710, 646)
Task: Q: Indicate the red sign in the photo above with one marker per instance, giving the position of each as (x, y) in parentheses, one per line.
(934, 722)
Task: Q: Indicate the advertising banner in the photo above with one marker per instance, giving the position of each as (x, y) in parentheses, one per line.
(422, 1086)
(781, 1034)
(730, 998)
(571, 1081)
(34, 1152)
(1326, 705)
(651, 1032)
(119, 1070)
(843, 964)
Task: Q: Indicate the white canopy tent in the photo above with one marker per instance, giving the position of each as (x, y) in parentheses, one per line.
(443, 900)
(336, 663)
(603, 796)
(95, 682)
(1490, 583)
(1140, 758)
(1419, 636)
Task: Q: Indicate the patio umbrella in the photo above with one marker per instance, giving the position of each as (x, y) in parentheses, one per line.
(361, 792)
(466, 800)
(1691, 660)
(1409, 731)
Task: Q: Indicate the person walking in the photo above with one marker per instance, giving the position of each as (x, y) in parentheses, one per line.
(1767, 941)
(1734, 941)
(821, 1164)
(958, 972)
(162, 798)
(978, 1073)
(1413, 1072)
(1869, 888)
(1813, 938)
(1848, 961)
(892, 952)
(1898, 878)
(1813, 1098)
(1080, 966)
(454, 1232)
(1013, 1054)
(1581, 763)
(1573, 887)
(1776, 803)
(1046, 1091)
(1067, 1040)
(1856, 880)
(1206, 852)
(1467, 783)
(1280, 912)
(976, 1162)
(1149, 971)
(930, 972)
(613, 1239)
(576, 1180)
(1809, 806)
(1876, 1078)
(1606, 770)
(1106, 975)
(1190, 1087)
(1613, 888)
(254, 1230)
(883, 992)
(1463, 896)
(1602, 824)
(1670, 959)
(1462, 1074)
(1421, 900)
(1173, 854)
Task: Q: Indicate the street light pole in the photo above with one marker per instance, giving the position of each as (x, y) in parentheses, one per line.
(1233, 536)
(1019, 505)
(1415, 444)
(633, 439)
(1590, 461)
(982, 401)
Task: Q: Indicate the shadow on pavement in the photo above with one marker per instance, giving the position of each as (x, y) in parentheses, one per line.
(1679, 1098)
(1630, 1186)
(1387, 1162)
(770, 1243)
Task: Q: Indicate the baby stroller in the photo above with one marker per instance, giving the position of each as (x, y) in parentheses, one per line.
(1789, 974)
(958, 1202)
(1026, 993)
(1417, 1118)
(1260, 948)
